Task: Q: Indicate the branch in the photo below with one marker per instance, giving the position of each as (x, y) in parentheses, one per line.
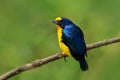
(40, 62)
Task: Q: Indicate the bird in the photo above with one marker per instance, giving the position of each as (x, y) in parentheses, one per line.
(71, 40)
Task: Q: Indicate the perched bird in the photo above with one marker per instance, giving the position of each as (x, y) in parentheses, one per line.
(71, 40)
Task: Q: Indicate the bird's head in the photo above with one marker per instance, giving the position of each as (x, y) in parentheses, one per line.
(62, 22)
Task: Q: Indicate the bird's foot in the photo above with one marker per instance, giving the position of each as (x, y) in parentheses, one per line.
(65, 59)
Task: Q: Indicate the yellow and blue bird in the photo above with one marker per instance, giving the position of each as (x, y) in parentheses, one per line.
(71, 40)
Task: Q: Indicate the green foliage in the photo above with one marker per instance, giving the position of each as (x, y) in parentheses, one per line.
(27, 33)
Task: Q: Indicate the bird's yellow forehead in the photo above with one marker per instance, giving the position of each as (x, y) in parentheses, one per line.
(58, 19)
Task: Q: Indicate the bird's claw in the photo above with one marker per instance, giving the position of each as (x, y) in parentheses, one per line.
(65, 59)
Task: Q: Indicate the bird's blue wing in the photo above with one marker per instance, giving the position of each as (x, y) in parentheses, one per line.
(73, 37)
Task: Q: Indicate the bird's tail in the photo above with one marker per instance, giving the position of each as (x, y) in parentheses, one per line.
(83, 64)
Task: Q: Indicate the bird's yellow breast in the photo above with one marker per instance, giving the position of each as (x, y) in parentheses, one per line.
(63, 47)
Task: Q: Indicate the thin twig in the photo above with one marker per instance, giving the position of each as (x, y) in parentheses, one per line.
(40, 62)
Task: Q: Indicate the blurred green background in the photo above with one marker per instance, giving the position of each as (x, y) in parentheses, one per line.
(27, 33)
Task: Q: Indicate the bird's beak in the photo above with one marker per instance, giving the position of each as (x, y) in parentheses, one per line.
(55, 21)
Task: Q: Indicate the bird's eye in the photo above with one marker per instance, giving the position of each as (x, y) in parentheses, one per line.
(61, 21)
